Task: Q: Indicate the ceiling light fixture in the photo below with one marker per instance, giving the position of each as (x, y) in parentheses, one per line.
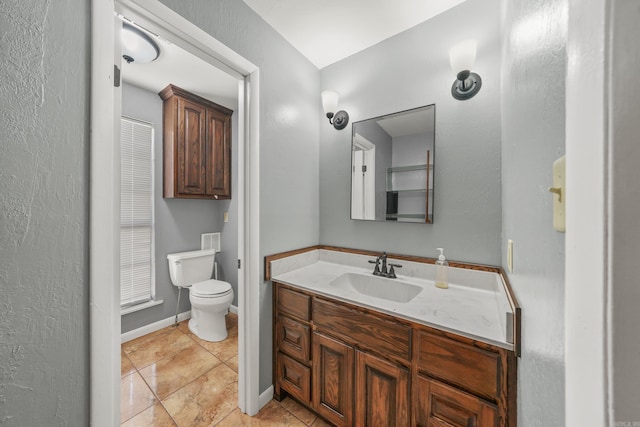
(137, 46)
(462, 57)
(340, 119)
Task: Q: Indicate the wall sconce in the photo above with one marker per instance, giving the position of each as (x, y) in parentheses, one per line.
(330, 105)
(462, 56)
(137, 46)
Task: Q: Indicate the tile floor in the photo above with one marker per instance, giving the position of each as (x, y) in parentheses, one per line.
(172, 378)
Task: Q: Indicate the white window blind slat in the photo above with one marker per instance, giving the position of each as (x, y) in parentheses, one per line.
(136, 212)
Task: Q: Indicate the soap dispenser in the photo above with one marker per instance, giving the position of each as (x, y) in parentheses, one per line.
(442, 267)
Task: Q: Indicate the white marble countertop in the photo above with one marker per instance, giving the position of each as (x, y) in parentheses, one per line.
(474, 305)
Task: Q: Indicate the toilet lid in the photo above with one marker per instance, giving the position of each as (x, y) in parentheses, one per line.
(210, 288)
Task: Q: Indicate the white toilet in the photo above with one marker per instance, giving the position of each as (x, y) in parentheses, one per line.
(210, 299)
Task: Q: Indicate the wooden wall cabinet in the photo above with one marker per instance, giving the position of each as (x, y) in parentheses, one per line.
(197, 146)
(366, 368)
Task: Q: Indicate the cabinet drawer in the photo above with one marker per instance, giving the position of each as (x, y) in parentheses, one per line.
(365, 330)
(293, 338)
(294, 303)
(471, 368)
(294, 377)
(438, 404)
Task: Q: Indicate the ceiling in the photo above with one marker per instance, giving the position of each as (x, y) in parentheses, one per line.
(330, 30)
(323, 31)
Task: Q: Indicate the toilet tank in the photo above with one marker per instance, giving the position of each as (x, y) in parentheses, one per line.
(187, 268)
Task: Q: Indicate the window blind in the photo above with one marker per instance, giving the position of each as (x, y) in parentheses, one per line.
(136, 212)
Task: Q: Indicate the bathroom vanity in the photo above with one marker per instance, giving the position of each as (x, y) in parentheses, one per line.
(364, 350)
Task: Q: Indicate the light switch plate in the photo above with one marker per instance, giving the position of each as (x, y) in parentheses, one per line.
(559, 194)
(510, 255)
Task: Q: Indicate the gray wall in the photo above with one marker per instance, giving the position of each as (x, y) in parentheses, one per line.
(178, 222)
(44, 148)
(407, 71)
(289, 126)
(533, 133)
(625, 199)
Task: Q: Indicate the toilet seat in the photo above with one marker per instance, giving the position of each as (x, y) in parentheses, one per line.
(210, 289)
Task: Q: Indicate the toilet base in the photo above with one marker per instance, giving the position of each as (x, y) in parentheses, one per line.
(211, 334)
(208, 321)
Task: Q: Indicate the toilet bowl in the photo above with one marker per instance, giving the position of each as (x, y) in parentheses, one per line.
(210, 299)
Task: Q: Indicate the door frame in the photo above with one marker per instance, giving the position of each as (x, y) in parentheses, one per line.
(104, 309)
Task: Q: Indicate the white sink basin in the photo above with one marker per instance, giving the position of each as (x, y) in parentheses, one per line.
(379, 287)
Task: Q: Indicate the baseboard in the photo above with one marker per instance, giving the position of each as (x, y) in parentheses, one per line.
(265, 397)
(156, 326)
(147, 329)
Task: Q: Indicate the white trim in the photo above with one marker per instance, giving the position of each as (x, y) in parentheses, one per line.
(104, 259)
(153, 327)
(266, 396)
(587, 143)
(156, 326)
(138, 307)
(105, 310)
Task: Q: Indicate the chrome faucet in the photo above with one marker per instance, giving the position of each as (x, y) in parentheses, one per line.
(382, 271)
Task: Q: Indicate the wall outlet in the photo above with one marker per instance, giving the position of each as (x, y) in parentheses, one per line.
(510, 255)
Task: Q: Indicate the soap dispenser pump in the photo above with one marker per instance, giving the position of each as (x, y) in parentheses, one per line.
(442, 267)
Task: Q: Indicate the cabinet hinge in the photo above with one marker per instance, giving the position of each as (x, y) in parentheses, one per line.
(364, 168)
(239, 264)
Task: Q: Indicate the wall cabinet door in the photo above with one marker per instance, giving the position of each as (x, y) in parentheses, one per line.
(440, 405)
(218, 154)
(382, 392)
(332, 379)
(197, 146)
(192, 148)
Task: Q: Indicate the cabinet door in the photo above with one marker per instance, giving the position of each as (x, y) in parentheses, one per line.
(192, 168)
(440, 405)
(382, 392)
(332, 379)
(218, 154)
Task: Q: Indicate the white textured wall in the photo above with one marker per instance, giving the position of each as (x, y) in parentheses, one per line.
(44, 134)
(533, 136)
(289, 121)
(407, 71)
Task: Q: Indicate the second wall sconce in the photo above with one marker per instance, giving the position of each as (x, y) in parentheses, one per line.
(462, 57)
(338, 119)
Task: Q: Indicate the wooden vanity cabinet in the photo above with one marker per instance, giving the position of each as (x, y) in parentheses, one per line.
(197, 146)
(370, 369)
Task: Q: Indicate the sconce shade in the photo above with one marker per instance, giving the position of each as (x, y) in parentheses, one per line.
(339, 119)
(137, 46)
(329, 101)
(463, 55)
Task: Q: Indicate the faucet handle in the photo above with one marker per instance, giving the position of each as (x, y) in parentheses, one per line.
(392, 271)
(376, 270)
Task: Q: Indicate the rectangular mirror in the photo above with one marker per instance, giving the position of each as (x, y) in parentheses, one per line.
(392, 160)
